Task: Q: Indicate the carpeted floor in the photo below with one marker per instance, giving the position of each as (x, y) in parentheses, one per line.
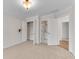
(28, 51)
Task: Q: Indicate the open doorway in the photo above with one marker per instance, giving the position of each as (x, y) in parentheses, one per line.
(65, 35)
(29, 31)
(65, 30)
(44, 27)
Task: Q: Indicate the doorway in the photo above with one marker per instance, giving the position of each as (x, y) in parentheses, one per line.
(65, 35)
(44, 27)
(65, 30)
(30, 31)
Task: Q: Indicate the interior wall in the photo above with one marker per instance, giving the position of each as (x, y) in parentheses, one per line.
(11, 36)
(72, 31)
(24, 30)
(52, 32)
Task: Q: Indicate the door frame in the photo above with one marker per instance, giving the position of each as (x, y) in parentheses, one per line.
(36, 39)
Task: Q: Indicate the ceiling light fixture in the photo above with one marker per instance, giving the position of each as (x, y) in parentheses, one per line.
(27, 4)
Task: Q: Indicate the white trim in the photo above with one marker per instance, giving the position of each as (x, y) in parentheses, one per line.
(15, 43)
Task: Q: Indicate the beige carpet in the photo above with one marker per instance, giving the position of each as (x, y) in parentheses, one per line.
(28, 51)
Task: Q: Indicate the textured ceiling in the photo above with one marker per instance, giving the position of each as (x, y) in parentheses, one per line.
(14, 8)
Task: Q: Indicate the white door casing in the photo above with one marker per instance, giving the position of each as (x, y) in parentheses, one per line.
(35, 35)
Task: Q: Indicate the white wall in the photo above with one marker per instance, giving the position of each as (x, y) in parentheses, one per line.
(52, 32)
(11, 34)
(72, 31)
(37, 30)
(24, 30)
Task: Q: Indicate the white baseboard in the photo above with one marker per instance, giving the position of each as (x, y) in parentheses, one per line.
(15, 43)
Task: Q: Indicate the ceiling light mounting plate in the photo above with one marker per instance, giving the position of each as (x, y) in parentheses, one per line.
(27, 4)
